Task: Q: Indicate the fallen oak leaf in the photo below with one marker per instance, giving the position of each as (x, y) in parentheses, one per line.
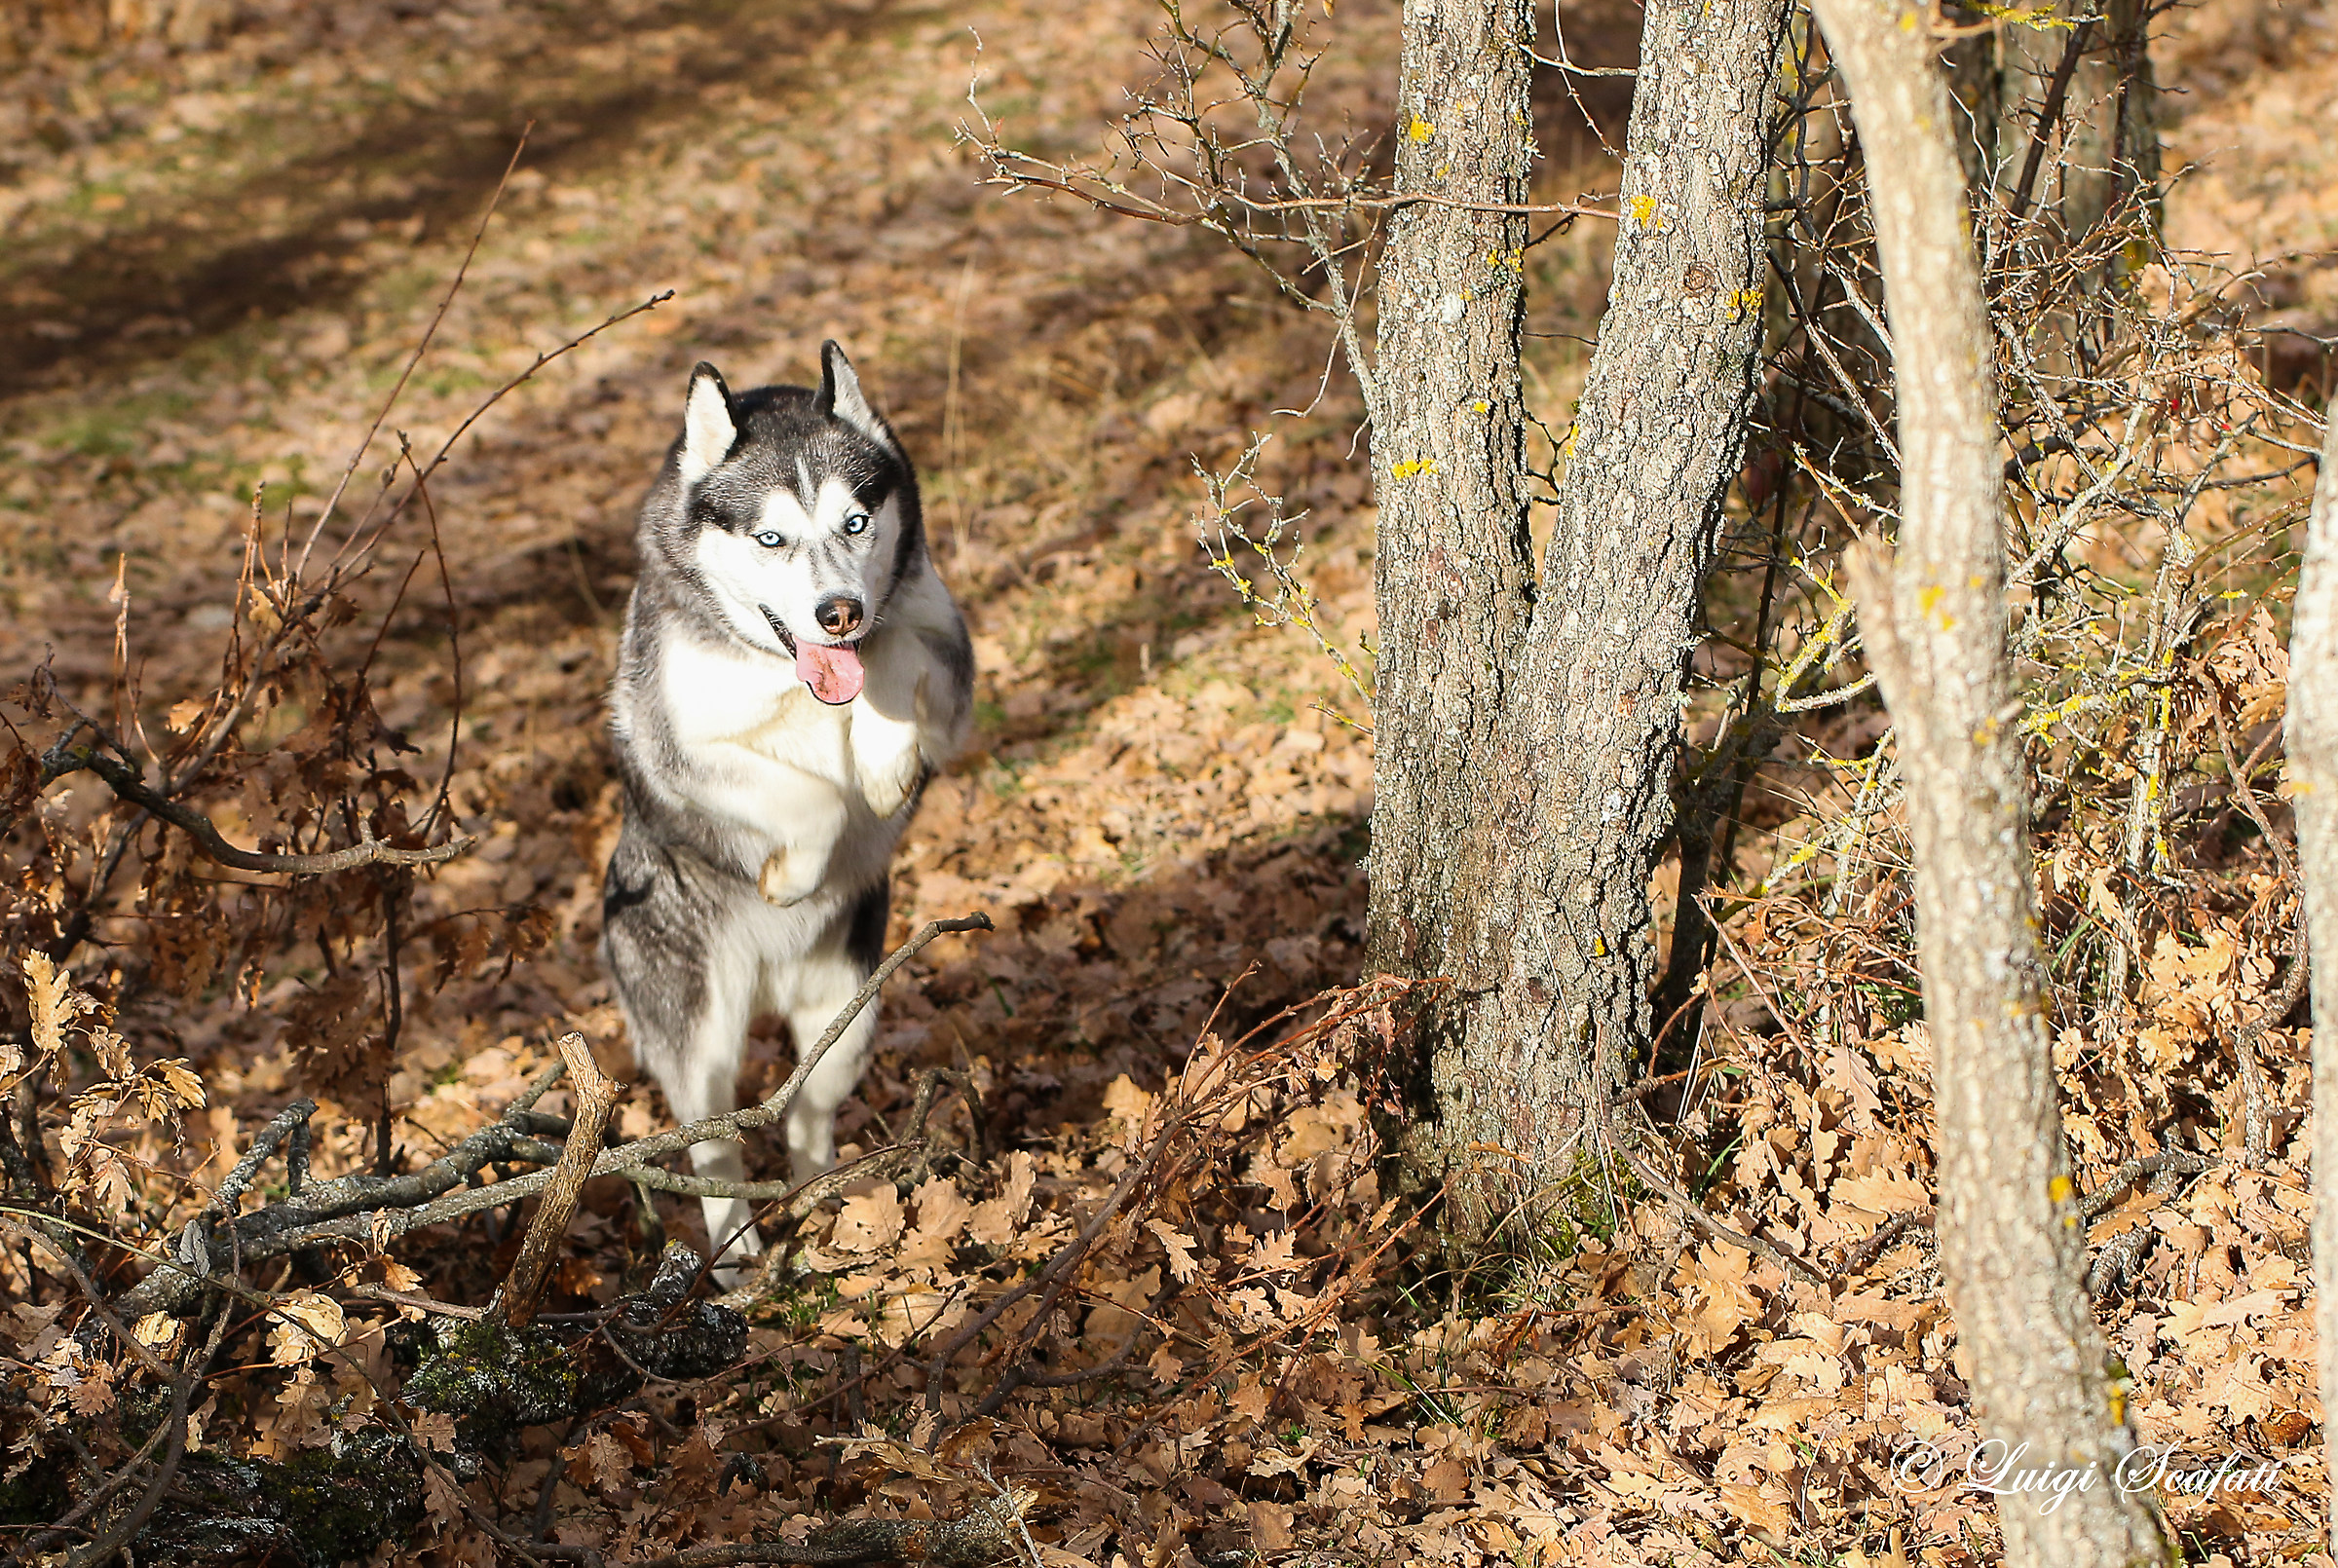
(307, 1326)
(1184, 1267)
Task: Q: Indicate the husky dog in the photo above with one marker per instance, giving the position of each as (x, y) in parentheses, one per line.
(792, 673)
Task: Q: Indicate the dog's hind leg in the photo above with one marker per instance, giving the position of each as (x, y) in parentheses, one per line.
(687, 983)
(703, 1081)
(822, 985)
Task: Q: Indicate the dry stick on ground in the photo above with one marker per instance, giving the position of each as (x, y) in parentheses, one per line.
(1867, 1249)
(2181, 1161)
(91, 1294)
(2012, 1244)
(2115, 1264)
(515, 1302)
(2314, 796)
(252, 1236)
(1622, 1138)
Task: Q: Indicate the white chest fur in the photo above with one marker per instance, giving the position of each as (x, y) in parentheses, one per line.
(736, 713)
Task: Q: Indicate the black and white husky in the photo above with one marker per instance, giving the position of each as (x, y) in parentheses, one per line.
(792, 673)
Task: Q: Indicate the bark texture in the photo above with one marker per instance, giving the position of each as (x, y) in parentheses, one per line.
(2013, 1243)
(1453, 571)
(1552, 948)
(2313, 745)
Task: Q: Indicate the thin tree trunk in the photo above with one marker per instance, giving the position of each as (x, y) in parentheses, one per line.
(1454, 570)
(2062, 111)
(2012, 1244)
(2312, 742)
(1552, 949)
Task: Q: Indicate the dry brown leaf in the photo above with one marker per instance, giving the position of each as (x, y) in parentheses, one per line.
(869, 1222)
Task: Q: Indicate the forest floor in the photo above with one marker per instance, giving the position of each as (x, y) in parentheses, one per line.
(214, 266)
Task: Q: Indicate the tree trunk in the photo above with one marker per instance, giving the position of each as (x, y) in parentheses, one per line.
(2012, 1244)
(2312, 742)
(1454, 570)
(2095, 136)
(1551, 948)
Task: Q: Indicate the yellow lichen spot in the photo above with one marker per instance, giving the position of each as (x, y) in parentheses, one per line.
(2041, 17)
(1480, 406)
(1908, 21)
(1412, 465)
(2060, 1189)
(1644, 207)
(1421, 130)
(1745, 302)
(1599, 946)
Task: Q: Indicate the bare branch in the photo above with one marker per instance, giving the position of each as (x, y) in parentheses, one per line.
(123, 780)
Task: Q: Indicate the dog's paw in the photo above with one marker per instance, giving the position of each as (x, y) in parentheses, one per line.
(885, 759)
(788, 877)
(889, 788)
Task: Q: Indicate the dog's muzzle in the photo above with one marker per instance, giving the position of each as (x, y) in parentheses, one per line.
(831, 671)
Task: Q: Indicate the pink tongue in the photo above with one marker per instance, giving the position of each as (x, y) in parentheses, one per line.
(834, 674)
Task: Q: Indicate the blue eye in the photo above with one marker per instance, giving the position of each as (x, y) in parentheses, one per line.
(769, 539)
(857, 523)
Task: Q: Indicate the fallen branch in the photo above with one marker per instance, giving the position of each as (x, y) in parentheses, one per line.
(263, 1144)
(2127, 1175)
(1694, 1212)
(515, 1303)
(179, 1279)
(1869, 1249)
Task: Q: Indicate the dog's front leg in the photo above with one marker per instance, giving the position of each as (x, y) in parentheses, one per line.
(887, 761)
(813, 822)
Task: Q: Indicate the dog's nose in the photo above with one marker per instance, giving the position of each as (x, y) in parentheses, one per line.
(839, 617)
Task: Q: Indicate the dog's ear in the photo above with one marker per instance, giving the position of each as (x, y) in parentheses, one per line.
(842, 397)
(708, 426)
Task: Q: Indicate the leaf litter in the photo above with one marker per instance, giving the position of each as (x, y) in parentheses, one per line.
(1249, 1353)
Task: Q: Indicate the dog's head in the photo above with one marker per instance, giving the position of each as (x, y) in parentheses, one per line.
(801, 514)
